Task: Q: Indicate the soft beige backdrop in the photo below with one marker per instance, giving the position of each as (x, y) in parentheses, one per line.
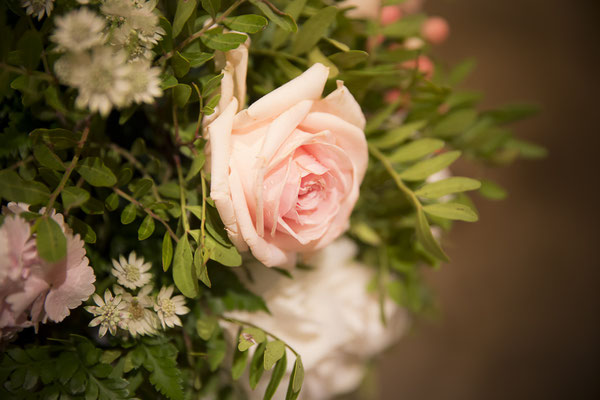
(520, 301)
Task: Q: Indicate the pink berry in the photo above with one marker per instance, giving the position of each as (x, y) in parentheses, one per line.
(391, 96)
(435, 30)
(390, 14)
(423, 63)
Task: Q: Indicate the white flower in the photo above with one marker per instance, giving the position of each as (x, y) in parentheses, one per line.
(110, 313)
(168, 308)
(79, 30)
(142, 319)
(328, 316)
(37, 8)
(144, 81)
(136, 15)
(133, 272)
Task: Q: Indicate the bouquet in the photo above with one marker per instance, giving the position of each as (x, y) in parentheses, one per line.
(225, 199)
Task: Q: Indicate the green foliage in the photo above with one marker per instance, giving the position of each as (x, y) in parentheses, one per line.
(159, 358)
(50, 240)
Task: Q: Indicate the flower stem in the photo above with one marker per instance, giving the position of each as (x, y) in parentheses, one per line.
(184, 220)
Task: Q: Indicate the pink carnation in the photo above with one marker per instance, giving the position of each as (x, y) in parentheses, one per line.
(33, 290)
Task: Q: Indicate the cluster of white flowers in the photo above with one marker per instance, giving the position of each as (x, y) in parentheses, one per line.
(38, 8)
(139, 314)
(108, 57)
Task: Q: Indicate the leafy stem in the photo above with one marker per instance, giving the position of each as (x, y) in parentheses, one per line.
(69, 170)
(184, 219)
(203, 221)
(244, 323)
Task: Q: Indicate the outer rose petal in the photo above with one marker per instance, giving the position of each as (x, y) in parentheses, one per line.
(340, 102)
(368, 9)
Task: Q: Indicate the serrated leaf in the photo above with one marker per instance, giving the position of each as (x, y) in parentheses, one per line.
(283, 20)
(425, 168)
(167, 251)
(274, 351)
(180, 64)
(349, 59)
(94, 172)
(184, 273)
(249, 23)
(256, 365)
(212, 7)
(217, 40)
(276, 377)
(398, 135)
(14, 188)
(313, 30)
(47, 158)
(415, 150)
(181, 94)
(128, 214)
(455, 123)
(73, 196)
(108, 356)
(240, 358)
(183, 12)
(492, 190)
(160, 361)
(146, 228)
(50, 241)
(454, 211)
(426, 238)
(447, 186)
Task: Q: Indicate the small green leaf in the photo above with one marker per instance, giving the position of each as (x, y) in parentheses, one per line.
(455, 123)
(14, 188)
(527, 150)
(492, 190)
(313, 30)
(84, 230)
(297, 378)
(276, 377)
(197, 58)
(416, 150)
(206, 326)
(196, 166)
(181, 94)
(111, 202)
(200, 265)
(128, 214)
(146, 228)
(167, 251)
(407, 26)
(274, 351)
(47, 158)
(212, 7)
(52, 98)
(167, 81)
(108, 356)
(249, 337)
(426, 238)
(226, 255)
(184, 10)
(425, 168)
(349, 59)
(217, 40)
(125, 175)
(316, 56)
(256, 365)
(365, 233)
(141, 187)
(93, 206)
(51, 242)
(216, 353)
(184, 273)
(30, 47)
(180, 64)
(59, 138)
(283, 20)
(72, 196)
(93, 170)
(444, 187)
(455, 211)
(246, 23)
(161, 362)
(240, 358)
(398, 135)
(211, 84)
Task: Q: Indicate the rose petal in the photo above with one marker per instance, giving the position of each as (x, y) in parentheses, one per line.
(341, 103)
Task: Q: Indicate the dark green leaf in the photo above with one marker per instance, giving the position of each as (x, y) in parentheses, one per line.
(51, 242)
(184, 273)
(217, 40)
(59, 138)
(249, 337)
(313, 30)
(426, 238)
(211, 85)
(141, 187)
(197, 58)
(425, 168)
(73, 196)
(30, 47)
(444, 187)
(212, 7)
(14, 188)
(146, 228)
(216, 350)
(256, 365)
(296, 380)
(274, 351)
(181, 94)
(167, 251)
(180, 64)
(47, 158)
(196, 166)
(200, 265)
(52, 98)
(276, 377)
(168, 81)
(128, 214)
(283, 20)
(160, 361)
(84, 230)
(240, 358)
(184, 10)
(112, 202)
(226, 255)
(246, 23)
(93, 170)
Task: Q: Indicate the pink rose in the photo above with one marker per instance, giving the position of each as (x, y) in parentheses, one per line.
(285, 172)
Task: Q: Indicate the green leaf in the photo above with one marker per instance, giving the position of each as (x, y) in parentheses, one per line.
(492, 190)
(47, 158)
(184, 274)
(141, 187)
(226, 255)
(206, 326)
(14, 188)
(240, 359)
(455, 123)
(30, 47)
(426, 238)
(216, 350)
(180, 64)
(416, 150)
(281, 19)
(365, 233)
(211, 84)
(349, 59)
(72, 196)
(52, 98)
(276, 377)
(378, 119)
(200, 265)
(256, 365)
(212, 7)
(513, 112)
(313, 30)
(93, 206)
(398, 135)
(93, 170)
(167, 251)
(444, 187)
(84, 230)
(167, 81)
(297, 377)
(425, 168)
(454, 211)
(146, 228)
(196, 166)
(125, 175)
(111, 202)
(249, 23)
(108, 356)
(181, 94)
(197, 58)
(128, 214)
(316, 56)
(59, 138)
(527, 150)
(161, 362)
(407, 26)
(184, 10)
(274, 351)
(51, 242)
(249, 337)
(217, 40)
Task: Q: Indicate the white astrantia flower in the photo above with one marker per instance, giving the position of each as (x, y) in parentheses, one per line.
(101, 78)
(79, 30)
(132, 272)
(110, 313)
(168, 307)
(38, 8)
(145, 82)
(142, 319)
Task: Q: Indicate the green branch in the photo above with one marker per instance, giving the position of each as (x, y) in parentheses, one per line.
(244, 323)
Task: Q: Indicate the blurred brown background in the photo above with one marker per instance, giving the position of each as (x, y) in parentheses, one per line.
(521, 299)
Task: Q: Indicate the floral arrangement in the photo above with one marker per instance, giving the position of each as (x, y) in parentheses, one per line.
(225, 198)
